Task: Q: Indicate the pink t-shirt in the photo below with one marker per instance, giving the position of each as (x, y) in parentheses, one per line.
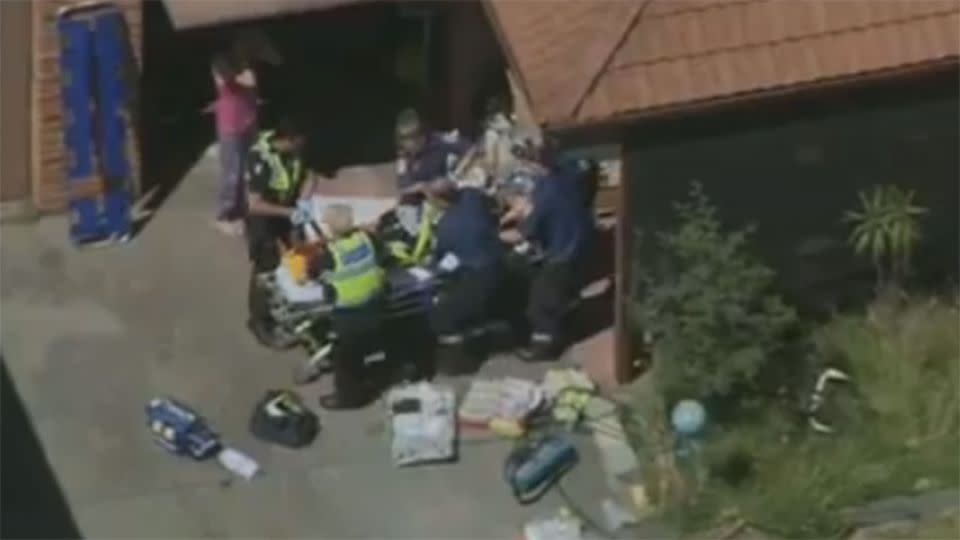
(235, 109)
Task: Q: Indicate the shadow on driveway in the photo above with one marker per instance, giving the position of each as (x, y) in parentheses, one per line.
(33, 505)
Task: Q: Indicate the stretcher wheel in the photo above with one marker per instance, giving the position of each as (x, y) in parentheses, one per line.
(315, 366)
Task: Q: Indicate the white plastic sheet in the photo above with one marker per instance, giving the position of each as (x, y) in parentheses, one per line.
(425, 435)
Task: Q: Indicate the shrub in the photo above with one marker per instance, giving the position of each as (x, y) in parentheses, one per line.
(708, 307)
(886, 228)
(904, 361)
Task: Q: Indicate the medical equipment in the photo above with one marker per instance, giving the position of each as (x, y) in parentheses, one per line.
(422, 424)
(532, 468)
(301, 311)
(179, 430)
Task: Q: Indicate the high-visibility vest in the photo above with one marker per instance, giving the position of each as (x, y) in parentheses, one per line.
(423, 243)
(356, 277)
(284, 183)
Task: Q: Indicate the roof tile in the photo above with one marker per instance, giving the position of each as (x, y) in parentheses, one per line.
(694, 50)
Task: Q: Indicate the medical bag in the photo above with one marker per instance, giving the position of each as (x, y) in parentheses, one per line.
(180, 430)
(281, 418)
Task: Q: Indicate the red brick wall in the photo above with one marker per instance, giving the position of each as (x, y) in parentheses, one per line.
(15, 100)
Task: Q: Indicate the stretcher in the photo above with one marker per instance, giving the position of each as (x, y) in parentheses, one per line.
(302, 311)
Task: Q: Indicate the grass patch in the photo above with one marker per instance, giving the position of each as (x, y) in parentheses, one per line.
(898, 429)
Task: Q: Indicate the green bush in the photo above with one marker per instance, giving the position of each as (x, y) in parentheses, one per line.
(904, 360)
(709, 308)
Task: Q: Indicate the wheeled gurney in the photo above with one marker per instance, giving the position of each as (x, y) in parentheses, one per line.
(301, 311)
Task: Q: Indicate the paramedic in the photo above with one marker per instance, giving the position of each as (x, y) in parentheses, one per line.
(407, 231)
(554, 219)
(276, 182)
(351, 270)
(468, 250)
(422, 156)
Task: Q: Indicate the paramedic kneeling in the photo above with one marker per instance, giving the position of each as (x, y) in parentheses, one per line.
(352, 272)
(276, 181)
(468, 250)
(554, 220)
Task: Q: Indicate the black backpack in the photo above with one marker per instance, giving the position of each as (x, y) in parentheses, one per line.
(281, 418)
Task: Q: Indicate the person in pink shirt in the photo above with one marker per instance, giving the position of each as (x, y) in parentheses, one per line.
(235, 112)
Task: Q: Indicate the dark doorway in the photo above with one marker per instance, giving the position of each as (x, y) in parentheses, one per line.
(794, 166)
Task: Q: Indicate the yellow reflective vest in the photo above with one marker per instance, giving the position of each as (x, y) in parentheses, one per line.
(356, 276)
(284, 183)
(423, 243)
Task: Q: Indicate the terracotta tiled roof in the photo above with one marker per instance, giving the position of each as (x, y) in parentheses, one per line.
(592, 60)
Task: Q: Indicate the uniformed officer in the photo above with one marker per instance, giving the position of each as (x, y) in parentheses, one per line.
(557, 223)
(422, 156)
(276, 183)
(351, 269)
(468, 251)
(407, 231)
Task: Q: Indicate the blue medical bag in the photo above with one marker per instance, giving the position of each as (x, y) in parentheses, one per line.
(179, 430)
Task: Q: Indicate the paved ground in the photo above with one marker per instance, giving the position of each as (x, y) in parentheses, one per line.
(90, 336)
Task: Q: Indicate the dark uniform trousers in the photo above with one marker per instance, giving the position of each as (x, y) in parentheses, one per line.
(555, 286)
(262, 236)
(464, 303)
(357, 335)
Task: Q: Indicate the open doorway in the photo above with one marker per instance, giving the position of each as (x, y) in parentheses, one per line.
(344, 75)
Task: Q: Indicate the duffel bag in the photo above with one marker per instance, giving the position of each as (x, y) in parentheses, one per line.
(281, 418)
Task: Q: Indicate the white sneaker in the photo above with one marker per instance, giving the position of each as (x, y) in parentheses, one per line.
(225, 227)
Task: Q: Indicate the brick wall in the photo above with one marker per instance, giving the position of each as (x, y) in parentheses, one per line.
(14, 101)
(48, 158)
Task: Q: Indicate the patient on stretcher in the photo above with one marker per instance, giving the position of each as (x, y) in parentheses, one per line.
(294, 281)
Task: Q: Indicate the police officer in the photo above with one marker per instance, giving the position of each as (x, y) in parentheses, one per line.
(557, 223)
(276, 182)
(351, 269)
(469, 253)
(424, 157)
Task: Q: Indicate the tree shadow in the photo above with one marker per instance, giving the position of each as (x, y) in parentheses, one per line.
(34, 505)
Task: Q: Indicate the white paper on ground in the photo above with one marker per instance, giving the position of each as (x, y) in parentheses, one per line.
(553, 529)
(238, 463)
(427, 435)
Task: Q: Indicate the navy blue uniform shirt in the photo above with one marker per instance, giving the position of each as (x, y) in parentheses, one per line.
(436, 159)
(560, 224)
(469, 230)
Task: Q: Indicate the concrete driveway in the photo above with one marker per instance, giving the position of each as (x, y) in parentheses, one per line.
(90, 336)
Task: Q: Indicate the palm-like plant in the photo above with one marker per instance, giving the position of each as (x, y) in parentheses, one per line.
(886, 228)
